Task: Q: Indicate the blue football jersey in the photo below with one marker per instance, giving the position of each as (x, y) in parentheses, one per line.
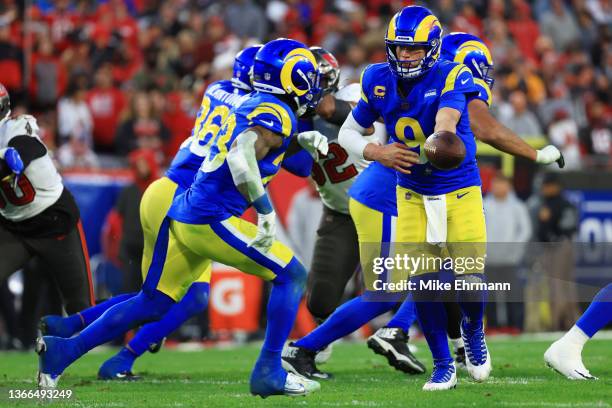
(220, 97)
(409, 114)
(375, 188)
(213, 196)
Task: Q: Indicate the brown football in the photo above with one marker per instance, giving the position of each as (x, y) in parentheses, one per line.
(444, 150)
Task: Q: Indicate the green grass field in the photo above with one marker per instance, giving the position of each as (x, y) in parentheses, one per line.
(219, 378)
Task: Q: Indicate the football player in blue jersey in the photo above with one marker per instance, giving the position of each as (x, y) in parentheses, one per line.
(203, 225)
(220, 97)
(372, 199)
(471, 51)
(416, 94)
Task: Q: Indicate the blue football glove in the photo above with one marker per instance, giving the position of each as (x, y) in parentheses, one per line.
(14, 162)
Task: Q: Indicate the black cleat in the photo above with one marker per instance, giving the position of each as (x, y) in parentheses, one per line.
(155, 347)
(460, 358)
(392, 343)
(301, 361)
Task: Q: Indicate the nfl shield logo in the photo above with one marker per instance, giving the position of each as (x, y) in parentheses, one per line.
(408, 196)
(267, 76)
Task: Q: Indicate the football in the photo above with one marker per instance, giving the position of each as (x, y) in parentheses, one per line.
(444, 150)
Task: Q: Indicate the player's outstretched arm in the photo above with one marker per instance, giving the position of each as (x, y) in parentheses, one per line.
(249, 147)
(487, 129)
(447, 119)
(395, 155)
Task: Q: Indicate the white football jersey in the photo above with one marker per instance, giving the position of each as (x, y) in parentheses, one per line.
(38, 187)
(336, 172)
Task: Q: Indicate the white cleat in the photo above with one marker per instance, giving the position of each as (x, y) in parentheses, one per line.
(324, 355)
(47, 381)
(478, 359)
(44, 381)
(479, 373)
(565, 358)
(296, 385)
(442, 379)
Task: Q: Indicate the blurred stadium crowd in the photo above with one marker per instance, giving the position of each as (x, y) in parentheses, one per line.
(107, 77)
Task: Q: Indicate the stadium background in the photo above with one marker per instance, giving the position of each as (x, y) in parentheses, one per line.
(115, 86)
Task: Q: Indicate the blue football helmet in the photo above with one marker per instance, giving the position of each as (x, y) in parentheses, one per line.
(243, 66)
(471, 51)
(413, 26)
(288, 67)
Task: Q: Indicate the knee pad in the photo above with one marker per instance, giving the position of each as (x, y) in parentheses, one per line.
(195, 300)
(294, 272)
(153, 306)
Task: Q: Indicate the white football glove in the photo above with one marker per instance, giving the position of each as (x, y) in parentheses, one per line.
(548, 155)
(266, 232)
(314, 142)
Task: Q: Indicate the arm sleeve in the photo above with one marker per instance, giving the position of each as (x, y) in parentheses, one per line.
(299, 163)
(28, 147)
(242, 163)
(351, 137)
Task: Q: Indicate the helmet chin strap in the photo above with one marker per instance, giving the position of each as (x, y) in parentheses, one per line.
(301, 108)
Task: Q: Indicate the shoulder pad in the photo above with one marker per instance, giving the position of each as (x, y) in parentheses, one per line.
(18, 126)
(273, 116)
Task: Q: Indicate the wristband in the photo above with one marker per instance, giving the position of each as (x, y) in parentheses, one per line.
(262, 205)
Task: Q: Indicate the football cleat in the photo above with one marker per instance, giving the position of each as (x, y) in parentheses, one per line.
(283, 383)
(324, 355)
(117, 368)
(155, 347)
(392, 343)
(478, 359)
(443, 377)
(565, 359)
(54, 326)
(47, 378)
(296, 385)
(47, 381)
(301, 361)
(460, 358)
